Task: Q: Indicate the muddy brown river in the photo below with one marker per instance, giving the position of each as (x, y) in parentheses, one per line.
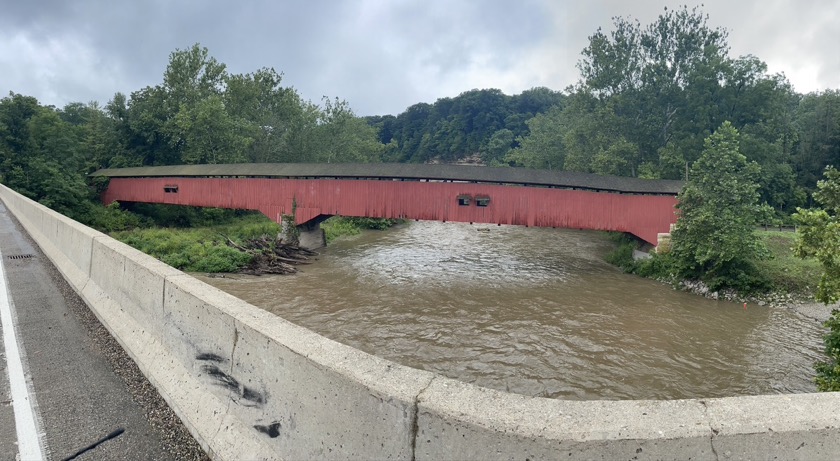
(535, 312)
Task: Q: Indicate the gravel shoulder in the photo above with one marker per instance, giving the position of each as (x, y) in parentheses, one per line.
(174, 436)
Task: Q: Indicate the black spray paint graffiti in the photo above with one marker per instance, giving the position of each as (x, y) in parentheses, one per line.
(251, 397)
(272, 430)
(210, 357)
(245, 395)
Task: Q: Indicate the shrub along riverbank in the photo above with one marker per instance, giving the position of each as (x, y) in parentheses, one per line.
(781, 278)
(341, 226)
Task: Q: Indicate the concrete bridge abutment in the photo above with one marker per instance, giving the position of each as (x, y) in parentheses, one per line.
(308, 235)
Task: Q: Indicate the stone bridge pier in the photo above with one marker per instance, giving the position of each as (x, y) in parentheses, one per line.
(308, 235)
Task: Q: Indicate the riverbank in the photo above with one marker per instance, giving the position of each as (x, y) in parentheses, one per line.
(817, 311)
(802, 303)
(245, 243)
(341, 226)
(786, 280)
(201, 249)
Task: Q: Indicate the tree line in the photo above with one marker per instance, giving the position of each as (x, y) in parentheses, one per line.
(481, 123)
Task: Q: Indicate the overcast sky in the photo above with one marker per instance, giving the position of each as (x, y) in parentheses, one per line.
(380, 55)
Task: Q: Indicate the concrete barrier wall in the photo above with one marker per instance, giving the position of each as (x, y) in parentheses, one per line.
(66, 242)
(250, 385)
(460, 421)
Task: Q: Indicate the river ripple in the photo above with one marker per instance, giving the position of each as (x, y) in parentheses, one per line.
(535, 312)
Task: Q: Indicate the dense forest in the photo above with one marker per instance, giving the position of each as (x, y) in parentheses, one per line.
(646, 99)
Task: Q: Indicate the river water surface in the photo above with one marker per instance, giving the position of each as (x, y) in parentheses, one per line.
(535, 312)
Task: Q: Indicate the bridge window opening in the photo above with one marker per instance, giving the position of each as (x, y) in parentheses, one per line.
(464, 200)
(482, 201)
(170, 189)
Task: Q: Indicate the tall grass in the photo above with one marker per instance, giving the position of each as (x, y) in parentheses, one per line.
(201, 249)
(205, 248)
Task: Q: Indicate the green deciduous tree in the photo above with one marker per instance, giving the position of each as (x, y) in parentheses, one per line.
(714, 239)
(498, 146)
(454, 128)
(657, 82)
(543, 148)
(340, 136)
(818, 135)
(828, 372)
(209, 134)
(818, 234)
(268, 113)
(649, 95)
(202, 114)
(43, 155)
(191, 76)
(149, 134)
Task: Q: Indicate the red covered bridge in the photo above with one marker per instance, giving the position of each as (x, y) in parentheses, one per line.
(313, 192)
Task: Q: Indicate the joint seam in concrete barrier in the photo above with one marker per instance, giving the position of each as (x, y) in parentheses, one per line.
(415, 425)
(712, 431)
(90, 262)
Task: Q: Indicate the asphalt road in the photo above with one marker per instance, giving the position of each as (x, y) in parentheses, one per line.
(85, 386)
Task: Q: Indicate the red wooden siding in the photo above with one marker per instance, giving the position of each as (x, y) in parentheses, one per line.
(640, 215)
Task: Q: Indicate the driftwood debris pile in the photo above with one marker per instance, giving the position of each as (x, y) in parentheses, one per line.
(271, 256)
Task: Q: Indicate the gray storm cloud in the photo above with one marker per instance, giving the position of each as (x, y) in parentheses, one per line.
(380, 56)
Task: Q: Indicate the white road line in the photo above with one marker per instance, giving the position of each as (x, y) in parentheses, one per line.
(29, 445)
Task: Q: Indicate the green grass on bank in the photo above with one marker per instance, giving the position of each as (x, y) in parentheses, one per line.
(785, 271)
(341, 226)
(192, 244)
(201, 249)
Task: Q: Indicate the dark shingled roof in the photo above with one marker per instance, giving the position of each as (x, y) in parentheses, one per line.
(408, 171)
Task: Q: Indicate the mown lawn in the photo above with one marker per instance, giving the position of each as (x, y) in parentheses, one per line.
(785, 271)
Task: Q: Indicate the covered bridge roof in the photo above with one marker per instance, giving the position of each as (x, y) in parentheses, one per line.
(407, 171)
